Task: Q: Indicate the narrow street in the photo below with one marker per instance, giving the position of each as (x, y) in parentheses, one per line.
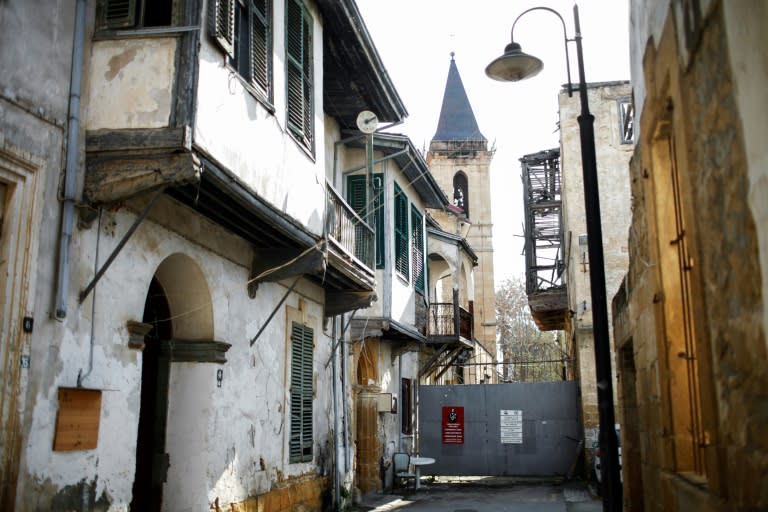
(487, 494)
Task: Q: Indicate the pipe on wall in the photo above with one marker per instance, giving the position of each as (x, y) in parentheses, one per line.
(70, 172)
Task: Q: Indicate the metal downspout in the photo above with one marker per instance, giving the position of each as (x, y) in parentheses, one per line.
(336, 468)
(70, 173)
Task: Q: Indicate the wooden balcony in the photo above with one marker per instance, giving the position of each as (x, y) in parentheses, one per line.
(348, 231)
(449, 323)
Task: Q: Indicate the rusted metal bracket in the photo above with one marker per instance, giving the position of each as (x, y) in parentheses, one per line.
(87, 290)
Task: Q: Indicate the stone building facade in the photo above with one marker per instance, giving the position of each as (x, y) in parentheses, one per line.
(690, 318)
(609, 102)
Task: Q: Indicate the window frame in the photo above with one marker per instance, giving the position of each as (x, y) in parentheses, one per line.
(406, 406)
(299, 79)
(256, 71)
(301, 435)
(353, 188)
(130, 15)
(418, 248)
(401, 234)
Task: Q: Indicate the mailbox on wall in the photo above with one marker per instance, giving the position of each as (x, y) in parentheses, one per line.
(387, 402)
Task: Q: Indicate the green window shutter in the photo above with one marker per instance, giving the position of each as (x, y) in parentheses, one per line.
(299, 71)
(401, 233)
(417, 249)
(356, 196)
(118, 13)
(222, 24)
(378, 214)
(301, 435)
(261, 51)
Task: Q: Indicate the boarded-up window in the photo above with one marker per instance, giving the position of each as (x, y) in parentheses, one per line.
(77, 424)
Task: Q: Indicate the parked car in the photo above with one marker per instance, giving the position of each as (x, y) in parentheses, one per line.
(598, 473)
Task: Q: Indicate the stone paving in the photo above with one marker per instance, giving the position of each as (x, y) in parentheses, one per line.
(487, 494)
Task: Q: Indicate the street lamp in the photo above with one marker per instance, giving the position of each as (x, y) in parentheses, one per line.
(515, 65)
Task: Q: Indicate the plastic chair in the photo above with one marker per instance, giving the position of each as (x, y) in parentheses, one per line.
(401, 463)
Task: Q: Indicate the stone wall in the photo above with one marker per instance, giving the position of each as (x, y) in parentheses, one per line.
(695, 274)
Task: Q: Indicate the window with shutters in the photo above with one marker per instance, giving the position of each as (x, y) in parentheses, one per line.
(128, 14)
(243, 29)
(401, 233)
(302, 345)
(417, 249)
(357, 199)
(298, 64)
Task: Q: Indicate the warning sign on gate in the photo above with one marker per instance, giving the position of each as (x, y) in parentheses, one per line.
(453, 425)
(511, 422)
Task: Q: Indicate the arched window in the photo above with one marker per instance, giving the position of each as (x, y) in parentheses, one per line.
(461, 192)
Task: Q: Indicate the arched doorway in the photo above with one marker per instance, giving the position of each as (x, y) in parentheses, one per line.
(172, 411)
(151, 457)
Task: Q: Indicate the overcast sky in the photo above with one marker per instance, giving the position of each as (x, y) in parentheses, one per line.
(415, 39)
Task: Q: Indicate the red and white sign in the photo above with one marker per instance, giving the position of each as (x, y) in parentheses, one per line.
(453, 425)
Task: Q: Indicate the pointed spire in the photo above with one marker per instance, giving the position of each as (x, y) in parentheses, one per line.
(457, 121)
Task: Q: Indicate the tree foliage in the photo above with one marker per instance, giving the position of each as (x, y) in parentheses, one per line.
(529, 355)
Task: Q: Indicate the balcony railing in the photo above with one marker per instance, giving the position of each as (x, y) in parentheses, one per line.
(349, 230)
(442, 320)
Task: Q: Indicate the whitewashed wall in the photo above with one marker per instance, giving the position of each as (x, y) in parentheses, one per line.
(217, 437)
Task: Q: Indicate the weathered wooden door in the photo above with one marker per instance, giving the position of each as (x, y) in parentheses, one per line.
(151, 458)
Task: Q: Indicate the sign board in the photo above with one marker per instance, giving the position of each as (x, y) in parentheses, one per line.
(511, 423)
(453, 425)
(77, 424)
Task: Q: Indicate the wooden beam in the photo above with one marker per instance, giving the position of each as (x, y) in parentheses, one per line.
(109, 180)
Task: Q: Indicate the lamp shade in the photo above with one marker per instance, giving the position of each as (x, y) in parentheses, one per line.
(514, 65)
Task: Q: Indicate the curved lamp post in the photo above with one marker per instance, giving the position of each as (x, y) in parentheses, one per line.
(515, 65)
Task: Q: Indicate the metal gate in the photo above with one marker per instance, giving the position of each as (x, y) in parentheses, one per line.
(522, 429)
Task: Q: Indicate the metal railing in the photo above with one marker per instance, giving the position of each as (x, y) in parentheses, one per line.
(348, 229)
(442, 320)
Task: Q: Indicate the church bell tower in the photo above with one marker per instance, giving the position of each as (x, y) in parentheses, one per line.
(460, 161)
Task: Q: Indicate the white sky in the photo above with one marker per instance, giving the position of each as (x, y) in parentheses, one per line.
(415, 38)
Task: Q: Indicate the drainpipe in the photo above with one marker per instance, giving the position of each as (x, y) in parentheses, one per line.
(70, 173)
(336, 468)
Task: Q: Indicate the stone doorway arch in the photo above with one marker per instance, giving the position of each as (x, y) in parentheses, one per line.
(176, 389)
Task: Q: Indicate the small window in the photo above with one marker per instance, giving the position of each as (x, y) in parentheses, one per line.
(627, 121)
(401, 233)
(298, 63)
(242, 28)
(406, 408)
(127, 14)
(302, 347)
(461, 192)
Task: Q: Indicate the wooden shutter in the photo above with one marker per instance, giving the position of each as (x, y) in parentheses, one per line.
(378, 217)
(222, 24)
(417, 249)
(119, 13)
(299, 71)
(401, 233)
(301, 437)
(261, 23)
(356, 194)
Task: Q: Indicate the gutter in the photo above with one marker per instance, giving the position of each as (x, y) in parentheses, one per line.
(70, 173)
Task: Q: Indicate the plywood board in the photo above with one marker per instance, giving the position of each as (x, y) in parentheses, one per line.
(77, 424)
